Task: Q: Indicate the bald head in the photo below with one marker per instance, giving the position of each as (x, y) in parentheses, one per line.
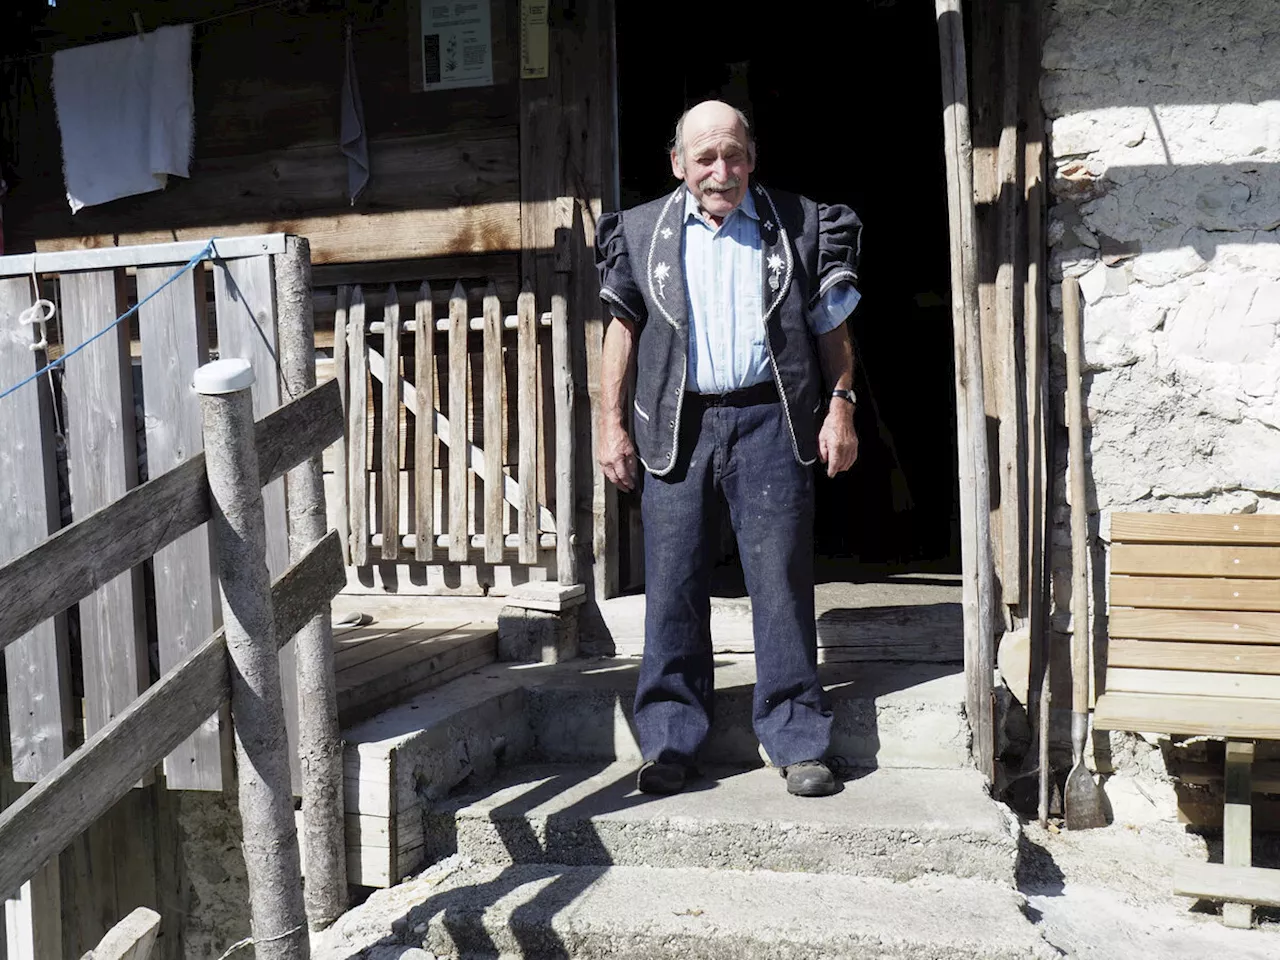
(714, 155)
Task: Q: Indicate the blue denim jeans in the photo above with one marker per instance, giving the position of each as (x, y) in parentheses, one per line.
(743, 454)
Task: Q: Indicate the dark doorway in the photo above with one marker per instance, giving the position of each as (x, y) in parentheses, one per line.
(844, 100)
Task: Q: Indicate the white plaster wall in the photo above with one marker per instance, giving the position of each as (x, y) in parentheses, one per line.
(1164, 118)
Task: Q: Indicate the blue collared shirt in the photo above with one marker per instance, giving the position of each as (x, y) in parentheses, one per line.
(722, 271)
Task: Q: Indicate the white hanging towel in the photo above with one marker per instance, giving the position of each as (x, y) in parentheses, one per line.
(125, 112)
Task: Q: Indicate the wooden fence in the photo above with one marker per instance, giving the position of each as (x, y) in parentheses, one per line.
(104, 409)
(481, 479)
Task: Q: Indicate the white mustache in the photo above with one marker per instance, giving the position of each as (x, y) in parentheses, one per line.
(719, 186)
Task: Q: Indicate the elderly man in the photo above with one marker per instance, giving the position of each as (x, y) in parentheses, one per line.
(728, 303)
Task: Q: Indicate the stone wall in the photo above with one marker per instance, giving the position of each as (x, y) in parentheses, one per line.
(1164, 118)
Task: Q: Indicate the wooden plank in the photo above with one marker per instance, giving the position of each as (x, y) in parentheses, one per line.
(342, 375)
(1223, 626)
(458, 482)
(357, 431)
(130, 939)
(527, 415)
(1216, 881)
(245, 299)
(102, 461)
(1196, 593)
(371, 643)
(1207, 814)
(1254, 528)
(64, 568)
(424, 436)
(1237, 825)
(174, 339)
(1175, 655)
(431, 674)
(87, 783)
(391, 428)
(22, 265)
(353, 237)
(1193, 683)
(1207, 716)
(36, 665)
(412, 658)
(1196, 561)
(491, 398)
(34, 916)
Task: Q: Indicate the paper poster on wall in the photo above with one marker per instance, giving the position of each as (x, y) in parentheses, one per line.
(457, 45)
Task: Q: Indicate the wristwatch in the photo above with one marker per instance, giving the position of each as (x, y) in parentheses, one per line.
(845, 395)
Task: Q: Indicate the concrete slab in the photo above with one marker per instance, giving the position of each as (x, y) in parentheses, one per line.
(625, 913)
(898, 824)
(907, 617)
(886, 714)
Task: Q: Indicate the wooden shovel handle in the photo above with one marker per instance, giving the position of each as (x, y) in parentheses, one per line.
(1080, 627)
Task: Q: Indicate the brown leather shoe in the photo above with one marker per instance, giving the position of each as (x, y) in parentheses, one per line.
(810, 778)
(661, 778)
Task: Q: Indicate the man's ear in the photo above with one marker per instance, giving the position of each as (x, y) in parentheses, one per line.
(677, 168)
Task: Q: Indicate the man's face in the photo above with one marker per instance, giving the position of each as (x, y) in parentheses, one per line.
(717, 161)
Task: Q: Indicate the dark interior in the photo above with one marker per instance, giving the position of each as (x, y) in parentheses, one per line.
(844, 101)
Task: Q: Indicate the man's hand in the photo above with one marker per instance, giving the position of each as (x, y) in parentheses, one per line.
(837, 441)
(617, 456)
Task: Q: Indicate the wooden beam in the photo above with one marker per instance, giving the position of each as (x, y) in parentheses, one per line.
(63, 569)
(1255, 528)
(358, 430)
(1216, 881)
(527, 427)
(85, 785)
(1213, 626)
(1195, 593)
(1206, 716)
(106, 257)
(352, 237)
(424, 427)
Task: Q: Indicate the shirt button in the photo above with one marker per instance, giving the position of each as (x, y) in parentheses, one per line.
(671, 424)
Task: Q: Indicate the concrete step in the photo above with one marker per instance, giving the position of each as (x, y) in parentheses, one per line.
(538, 912)
(895, 824)
(886, 714)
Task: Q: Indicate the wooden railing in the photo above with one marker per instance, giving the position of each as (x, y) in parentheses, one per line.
(67, 567)
(495, 390)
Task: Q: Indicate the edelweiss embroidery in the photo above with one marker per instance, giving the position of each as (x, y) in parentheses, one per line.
(775, 269)
(660, 274)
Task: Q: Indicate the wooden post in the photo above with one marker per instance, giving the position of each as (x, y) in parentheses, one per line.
(975, 503)
(527, 419)
(491, 396)
(1237, 824)
(566, 461)
(357, 431)
(391, 426)
(319, 737)
(343, 511)
(459, 483)
(271, 857)
(424, 427)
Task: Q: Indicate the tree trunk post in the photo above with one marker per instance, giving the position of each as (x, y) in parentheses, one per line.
(319, 737)
(271, 855)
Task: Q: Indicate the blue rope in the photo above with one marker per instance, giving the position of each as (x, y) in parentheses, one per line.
(203, 254)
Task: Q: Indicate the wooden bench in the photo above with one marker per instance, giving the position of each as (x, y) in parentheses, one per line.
(1194, 648)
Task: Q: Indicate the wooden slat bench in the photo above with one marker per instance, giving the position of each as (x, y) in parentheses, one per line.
(1194, 648)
